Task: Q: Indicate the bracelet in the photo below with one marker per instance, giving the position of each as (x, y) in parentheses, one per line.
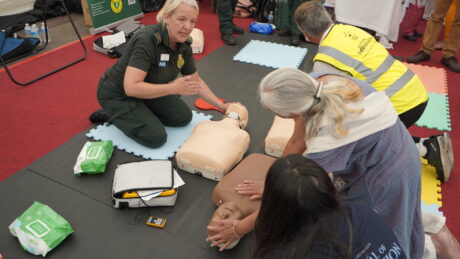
(234, 230)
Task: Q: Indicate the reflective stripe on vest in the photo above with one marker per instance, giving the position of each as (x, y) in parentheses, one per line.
(371, 76)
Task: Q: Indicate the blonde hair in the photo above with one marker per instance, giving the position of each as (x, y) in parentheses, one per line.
(171, 5)
(288, 91)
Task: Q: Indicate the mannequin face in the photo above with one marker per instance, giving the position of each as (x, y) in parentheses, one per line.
(241, 111)
(224, 211)
(180, 23)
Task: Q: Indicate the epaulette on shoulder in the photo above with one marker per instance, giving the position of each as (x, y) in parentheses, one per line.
(189, 40)
(157, 38)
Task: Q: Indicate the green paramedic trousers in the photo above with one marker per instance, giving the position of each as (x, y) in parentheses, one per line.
(142, 119)
(225, 10)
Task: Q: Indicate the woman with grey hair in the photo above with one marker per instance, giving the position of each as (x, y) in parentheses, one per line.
(354, 132)
(140, 94)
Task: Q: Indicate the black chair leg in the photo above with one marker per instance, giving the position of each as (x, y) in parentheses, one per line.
(10, 75)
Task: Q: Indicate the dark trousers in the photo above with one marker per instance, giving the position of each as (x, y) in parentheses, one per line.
(293, 6)
(225, 10)
(285, 10)
(143, 119)
(411, 116)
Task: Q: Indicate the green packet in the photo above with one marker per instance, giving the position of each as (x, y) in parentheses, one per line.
(93, 157)
(40, 229)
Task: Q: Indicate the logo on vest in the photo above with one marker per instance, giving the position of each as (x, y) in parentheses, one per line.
(349, 34)
(364, 46)
(116, 5)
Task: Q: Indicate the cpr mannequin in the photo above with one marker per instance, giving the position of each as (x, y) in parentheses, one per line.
(198, 40)
(215, 147)
(278, 136)
(231, 204)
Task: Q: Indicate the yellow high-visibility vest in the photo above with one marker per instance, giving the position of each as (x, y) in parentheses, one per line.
(357, 52)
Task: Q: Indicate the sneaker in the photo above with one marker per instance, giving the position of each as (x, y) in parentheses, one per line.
(295, 40)
(237, 30)
(440, 155)
(410, 37)
(99, 116)
(418, 57)
(418, 34)
(228, 39)
(451, 63)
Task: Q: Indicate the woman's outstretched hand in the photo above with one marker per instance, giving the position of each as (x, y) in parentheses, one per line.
(255, 189)
(225, 233)
(186, 85)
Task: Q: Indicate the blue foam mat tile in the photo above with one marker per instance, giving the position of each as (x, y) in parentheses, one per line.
(176, 137)
(271, 54)
(431, 208)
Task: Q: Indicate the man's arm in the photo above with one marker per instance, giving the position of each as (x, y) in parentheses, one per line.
(323, 67)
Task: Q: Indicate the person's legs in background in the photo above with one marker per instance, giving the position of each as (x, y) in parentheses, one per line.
(411, 20)
(294, 31)
(429, 7)
(433, 28)
(434, 25)
(450, 17)
(225, 10)
(283, 18)
(452, 43)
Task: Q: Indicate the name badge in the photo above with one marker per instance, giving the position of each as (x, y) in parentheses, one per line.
(164, 57)
(162, 64)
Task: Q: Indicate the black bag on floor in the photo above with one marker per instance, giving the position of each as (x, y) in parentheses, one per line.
(11, 48)
(129, 28)
(114, 52)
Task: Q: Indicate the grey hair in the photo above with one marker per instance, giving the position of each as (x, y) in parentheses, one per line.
(170, 6)
(312, 18)
(288, 91)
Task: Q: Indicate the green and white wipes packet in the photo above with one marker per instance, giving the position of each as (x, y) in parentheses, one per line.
(40, 229)
(93, 157)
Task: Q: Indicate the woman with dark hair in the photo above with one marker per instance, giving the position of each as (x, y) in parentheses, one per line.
(352, 131)
(302, 217)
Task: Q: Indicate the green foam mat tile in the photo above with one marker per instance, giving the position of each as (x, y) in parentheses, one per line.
(436, 115)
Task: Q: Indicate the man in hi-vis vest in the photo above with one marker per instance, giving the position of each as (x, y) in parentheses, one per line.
(348, 50)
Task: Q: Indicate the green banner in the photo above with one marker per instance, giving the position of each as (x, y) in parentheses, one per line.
(109, 13)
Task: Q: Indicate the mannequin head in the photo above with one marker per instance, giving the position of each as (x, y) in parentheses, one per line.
(238, 112)
(225, 211)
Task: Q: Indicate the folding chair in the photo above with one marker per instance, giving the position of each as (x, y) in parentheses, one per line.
(10, 75)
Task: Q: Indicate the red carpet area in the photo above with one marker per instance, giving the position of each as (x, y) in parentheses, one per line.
(37, 118)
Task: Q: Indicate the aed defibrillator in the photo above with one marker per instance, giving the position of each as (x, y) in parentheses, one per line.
(144, 184)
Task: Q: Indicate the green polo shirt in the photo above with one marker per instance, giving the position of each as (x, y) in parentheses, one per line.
(149, 51)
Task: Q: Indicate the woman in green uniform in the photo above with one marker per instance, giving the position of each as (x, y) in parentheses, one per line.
(141, 92)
